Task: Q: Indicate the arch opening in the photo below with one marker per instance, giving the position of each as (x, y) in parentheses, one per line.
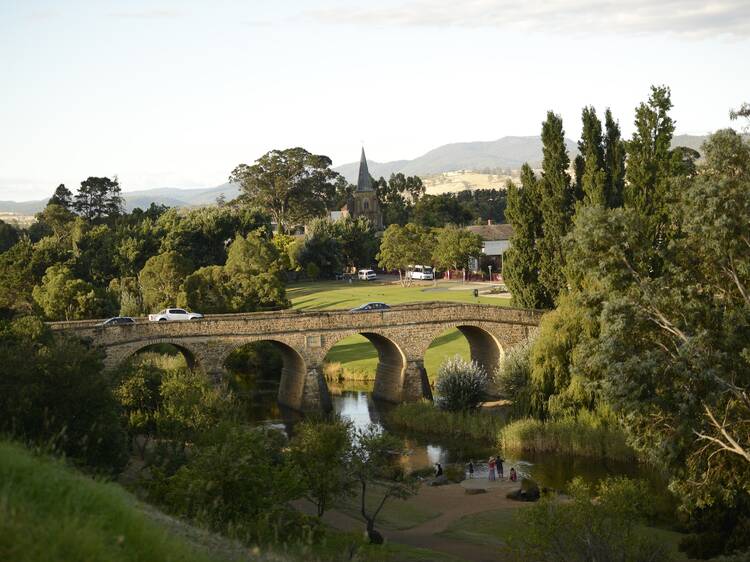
(165, 355)
(267, 375)
(471, 343)
(366, 361)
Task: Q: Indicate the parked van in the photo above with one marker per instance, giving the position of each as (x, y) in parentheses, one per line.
(366, 274)
(425, 272)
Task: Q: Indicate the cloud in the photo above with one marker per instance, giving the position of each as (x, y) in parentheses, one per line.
(147, 14)
(689, 18)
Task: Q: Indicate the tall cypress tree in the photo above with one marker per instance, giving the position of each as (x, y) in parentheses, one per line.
(593, 179)
(557, 203)
(521, 268)
(649, 169)
(614, 161)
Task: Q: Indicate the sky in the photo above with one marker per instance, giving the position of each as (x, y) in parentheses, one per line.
(177, 93)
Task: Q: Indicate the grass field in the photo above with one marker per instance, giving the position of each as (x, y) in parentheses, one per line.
(356, 354)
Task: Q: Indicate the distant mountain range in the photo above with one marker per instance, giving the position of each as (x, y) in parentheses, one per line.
(170, 196)
(505, 153)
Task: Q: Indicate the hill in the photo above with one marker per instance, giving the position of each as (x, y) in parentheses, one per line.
(507, 153)
(49, 511)
(169, 196)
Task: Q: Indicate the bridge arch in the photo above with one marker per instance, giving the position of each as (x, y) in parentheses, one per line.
(484, 346)
(118, 357)
(294, 370)
(391, 367)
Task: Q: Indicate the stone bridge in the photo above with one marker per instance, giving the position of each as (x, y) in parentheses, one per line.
(401, 336)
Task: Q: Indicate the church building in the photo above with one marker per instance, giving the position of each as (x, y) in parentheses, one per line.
(364, 201)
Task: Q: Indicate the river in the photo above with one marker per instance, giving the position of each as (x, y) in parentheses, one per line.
(357, 404)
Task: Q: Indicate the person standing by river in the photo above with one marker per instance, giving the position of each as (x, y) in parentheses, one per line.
(499, 463)
(491, 469)
(471, 468)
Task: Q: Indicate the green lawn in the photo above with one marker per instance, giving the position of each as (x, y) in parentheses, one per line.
(327, 295)
(356, 354)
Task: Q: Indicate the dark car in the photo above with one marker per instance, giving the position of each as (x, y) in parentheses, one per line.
(118, 321)
(370, 306)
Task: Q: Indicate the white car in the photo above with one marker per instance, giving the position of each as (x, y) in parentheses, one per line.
(366, 274)
(424, 272)
(172, 314)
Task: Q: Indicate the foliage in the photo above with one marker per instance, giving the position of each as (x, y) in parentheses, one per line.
(321, 248)
(292, 185)
(586, 434)
(161, 278)
(513, 378)
(48, 511)
(461, 385)
(16, 280)
(403, 247)
(374, 463)
(671, 353)
(52, 393)
(591, 184)
(397, 197)
(234, 481)
(454, 247)
(614, 161)
(98, 198)
(436, 211)
(604, 527)
(522, 258)
(8, 236)
(139, 396)
(427, 420)
(62, 197)
(201, 235)
(556, 203)
(321, 450)
(63, 297)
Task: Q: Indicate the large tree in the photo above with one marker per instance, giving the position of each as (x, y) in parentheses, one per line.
(454, 247)
(522, 258)
(62, 196)
(649, 168)
(591, 147)
(161, 279)
(403, 247)
(98, 198)
(292, 185)
(557, 204)
(614, 161)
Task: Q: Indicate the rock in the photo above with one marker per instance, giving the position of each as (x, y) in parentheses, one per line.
(474, 491)
(528, 492)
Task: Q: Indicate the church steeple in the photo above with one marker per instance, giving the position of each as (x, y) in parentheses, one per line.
(363, 181)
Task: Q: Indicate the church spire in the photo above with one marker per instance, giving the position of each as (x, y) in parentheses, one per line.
(363, 181)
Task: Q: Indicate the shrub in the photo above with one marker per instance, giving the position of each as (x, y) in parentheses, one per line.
(588, 435)
(513, 378)
(52, 392)
(461, 385)
(584, 529)
(426, 419)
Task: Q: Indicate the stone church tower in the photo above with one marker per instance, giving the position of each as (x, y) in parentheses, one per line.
(364, 200)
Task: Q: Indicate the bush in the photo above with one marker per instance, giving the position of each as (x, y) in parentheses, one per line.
(426, 419)
(461, 385)
(513, 378)
(53, 393)
(588, 435)
(238, 482)
(584, 529)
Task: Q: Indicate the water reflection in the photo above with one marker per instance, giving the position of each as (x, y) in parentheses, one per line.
(551, 471)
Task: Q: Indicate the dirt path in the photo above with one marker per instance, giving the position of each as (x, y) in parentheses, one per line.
(453, 503)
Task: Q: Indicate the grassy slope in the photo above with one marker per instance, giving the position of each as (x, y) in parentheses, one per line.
(50, 512)
(357, 354)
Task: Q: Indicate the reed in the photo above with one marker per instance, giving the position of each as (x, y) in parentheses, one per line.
(425, 419)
